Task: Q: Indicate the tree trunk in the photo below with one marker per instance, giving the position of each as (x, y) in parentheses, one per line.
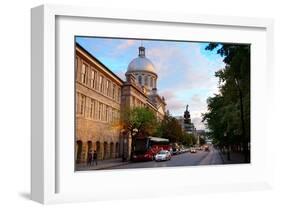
(245, 143)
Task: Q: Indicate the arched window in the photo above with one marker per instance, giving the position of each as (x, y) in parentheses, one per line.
(140, 80)
(146, 80)
(79, 145)
(151, 82)
(117, 150)
(111, 150)
(98, 149)
(105, 150)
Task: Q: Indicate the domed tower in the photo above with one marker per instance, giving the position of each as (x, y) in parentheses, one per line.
(143, 70)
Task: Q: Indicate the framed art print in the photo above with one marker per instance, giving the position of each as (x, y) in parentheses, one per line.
(125, 101)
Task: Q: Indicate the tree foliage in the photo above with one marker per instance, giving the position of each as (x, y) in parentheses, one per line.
(228, 116)
(139, 120)
(188, 139)
(170, 128)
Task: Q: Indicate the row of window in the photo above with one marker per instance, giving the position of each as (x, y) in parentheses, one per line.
(95, 110)
(97, 81)
(146, 80)
(137, 102)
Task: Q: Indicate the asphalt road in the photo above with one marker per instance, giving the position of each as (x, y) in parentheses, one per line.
(185, 159)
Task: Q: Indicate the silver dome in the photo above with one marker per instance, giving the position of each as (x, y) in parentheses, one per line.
(141, 63)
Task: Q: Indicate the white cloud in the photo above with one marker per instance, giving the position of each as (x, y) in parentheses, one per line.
(198, 123)
(189, 71)
(167, 60)
(126, 44)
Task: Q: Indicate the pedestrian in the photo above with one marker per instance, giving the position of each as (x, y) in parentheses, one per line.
(95, 158)
(90, 158)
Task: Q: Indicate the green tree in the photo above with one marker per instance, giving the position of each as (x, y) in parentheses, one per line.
(188, 139)
(139, 120)
(228, 116)
(170, 128)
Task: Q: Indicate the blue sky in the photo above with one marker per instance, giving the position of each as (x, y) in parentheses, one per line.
(185, 69)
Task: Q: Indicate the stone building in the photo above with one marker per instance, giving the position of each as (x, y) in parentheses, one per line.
(101, 96)
(98, 102)
(141, 71)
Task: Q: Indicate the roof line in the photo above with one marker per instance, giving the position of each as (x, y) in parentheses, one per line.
(98, 61)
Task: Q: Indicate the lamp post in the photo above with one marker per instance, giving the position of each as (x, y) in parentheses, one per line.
(124, 145)
(134, 133)
(228, 147)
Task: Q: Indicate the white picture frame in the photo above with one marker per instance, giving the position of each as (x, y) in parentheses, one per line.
(52, 177)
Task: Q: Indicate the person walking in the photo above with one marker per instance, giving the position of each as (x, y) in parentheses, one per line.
(90, 158)
(95, 158)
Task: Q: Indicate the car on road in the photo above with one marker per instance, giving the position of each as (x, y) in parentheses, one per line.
(192, 150)
(206, 148)
(176, 151)
(163, 155)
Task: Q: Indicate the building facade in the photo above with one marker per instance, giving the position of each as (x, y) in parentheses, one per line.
(98, 101)
(101, 96)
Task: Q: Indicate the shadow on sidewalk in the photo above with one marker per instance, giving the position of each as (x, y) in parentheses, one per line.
(235, 158)
(101, 164)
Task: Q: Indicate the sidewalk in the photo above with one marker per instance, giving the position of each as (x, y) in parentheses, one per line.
(102, 164)
(235, 158)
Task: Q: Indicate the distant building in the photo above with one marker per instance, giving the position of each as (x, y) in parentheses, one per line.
(187, 126)
(101, 96)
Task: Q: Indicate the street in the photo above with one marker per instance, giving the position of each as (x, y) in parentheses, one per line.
(185, 159)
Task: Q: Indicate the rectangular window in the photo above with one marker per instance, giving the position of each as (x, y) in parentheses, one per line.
(82, 104)
(77, 102)
(119, 95)
(93, 79)
(107, 87)
(113, 117)
(109, 114)
(113, 91)
(95, 109)
(100, 111)
(101, 84)
(83, 73)
(106, 113)
(92, 108)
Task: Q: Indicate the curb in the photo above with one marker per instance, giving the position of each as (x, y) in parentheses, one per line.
(103, 167)
(221, 155)
(112, 166)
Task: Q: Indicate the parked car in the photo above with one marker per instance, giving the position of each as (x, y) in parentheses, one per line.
(206, 148)
(192, 150)
(171, 151)
(163, 155)
(176, 151)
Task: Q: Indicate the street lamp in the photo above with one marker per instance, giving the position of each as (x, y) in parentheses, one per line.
(124, 144)
(135, 131)
(228, 147)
